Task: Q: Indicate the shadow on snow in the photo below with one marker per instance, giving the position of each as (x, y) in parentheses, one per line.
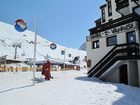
(130, 94)
(37, 80)
(86, 78)
(15, 88)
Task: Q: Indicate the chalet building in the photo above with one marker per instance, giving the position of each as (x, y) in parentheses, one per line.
(113, 46)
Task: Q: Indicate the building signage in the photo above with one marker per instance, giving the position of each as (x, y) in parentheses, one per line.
(53, 46)
(62, 52)
(69, 55)
(123, 28)
(20, 25)
(93, 36)
(115, 30)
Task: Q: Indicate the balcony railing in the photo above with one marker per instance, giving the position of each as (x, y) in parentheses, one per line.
(119, 52)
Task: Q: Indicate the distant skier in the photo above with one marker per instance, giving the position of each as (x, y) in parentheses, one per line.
(46, 70)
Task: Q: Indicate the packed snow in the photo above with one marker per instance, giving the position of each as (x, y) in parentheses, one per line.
(66, 88)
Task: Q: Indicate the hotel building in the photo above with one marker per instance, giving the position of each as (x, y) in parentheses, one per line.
(113, 46)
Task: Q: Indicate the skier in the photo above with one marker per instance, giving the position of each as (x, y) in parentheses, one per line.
(46, 70)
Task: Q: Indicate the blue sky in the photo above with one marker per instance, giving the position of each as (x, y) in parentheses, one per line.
(65, 22)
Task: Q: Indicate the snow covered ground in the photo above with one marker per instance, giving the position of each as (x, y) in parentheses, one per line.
(67, 88)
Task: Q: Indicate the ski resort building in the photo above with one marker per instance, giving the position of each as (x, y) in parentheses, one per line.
(113, 46)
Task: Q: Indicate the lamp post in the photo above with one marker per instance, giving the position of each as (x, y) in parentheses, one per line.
(30, 62)
(47, 56)
(64, 59)
(63, 52)
(21, 26)
(36, 21)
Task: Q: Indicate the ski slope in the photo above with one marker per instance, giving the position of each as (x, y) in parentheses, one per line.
(9, 37)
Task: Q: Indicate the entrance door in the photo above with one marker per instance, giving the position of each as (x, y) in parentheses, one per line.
(123, 74)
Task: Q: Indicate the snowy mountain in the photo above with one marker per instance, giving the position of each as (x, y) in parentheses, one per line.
(83, 47)
(9, 38)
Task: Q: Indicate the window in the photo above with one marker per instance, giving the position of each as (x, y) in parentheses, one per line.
(131, 37)
(137, 10)
(110, 20)
(109, 8)
(103, 15)
(95, 44)
(112, 40)
(121, 4)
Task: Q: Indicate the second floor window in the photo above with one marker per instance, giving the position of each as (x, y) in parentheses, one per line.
(95, 44)
(109, 8)
(131, 37)
(103, 15)
(112, 40)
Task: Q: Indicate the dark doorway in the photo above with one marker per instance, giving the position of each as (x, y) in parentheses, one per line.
(123, 74)
(89, 63)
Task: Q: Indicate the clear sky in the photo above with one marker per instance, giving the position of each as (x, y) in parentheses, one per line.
(65, 22)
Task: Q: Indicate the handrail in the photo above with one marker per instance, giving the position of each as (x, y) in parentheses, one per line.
(102, 58)
(113, 61)
(122, 49)
(111, 51)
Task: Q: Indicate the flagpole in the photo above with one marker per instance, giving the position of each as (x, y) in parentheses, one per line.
(34, 59)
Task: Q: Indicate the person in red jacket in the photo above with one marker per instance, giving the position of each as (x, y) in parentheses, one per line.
(46, 70)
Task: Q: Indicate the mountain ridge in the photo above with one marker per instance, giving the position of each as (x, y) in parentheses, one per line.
(9, 38)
